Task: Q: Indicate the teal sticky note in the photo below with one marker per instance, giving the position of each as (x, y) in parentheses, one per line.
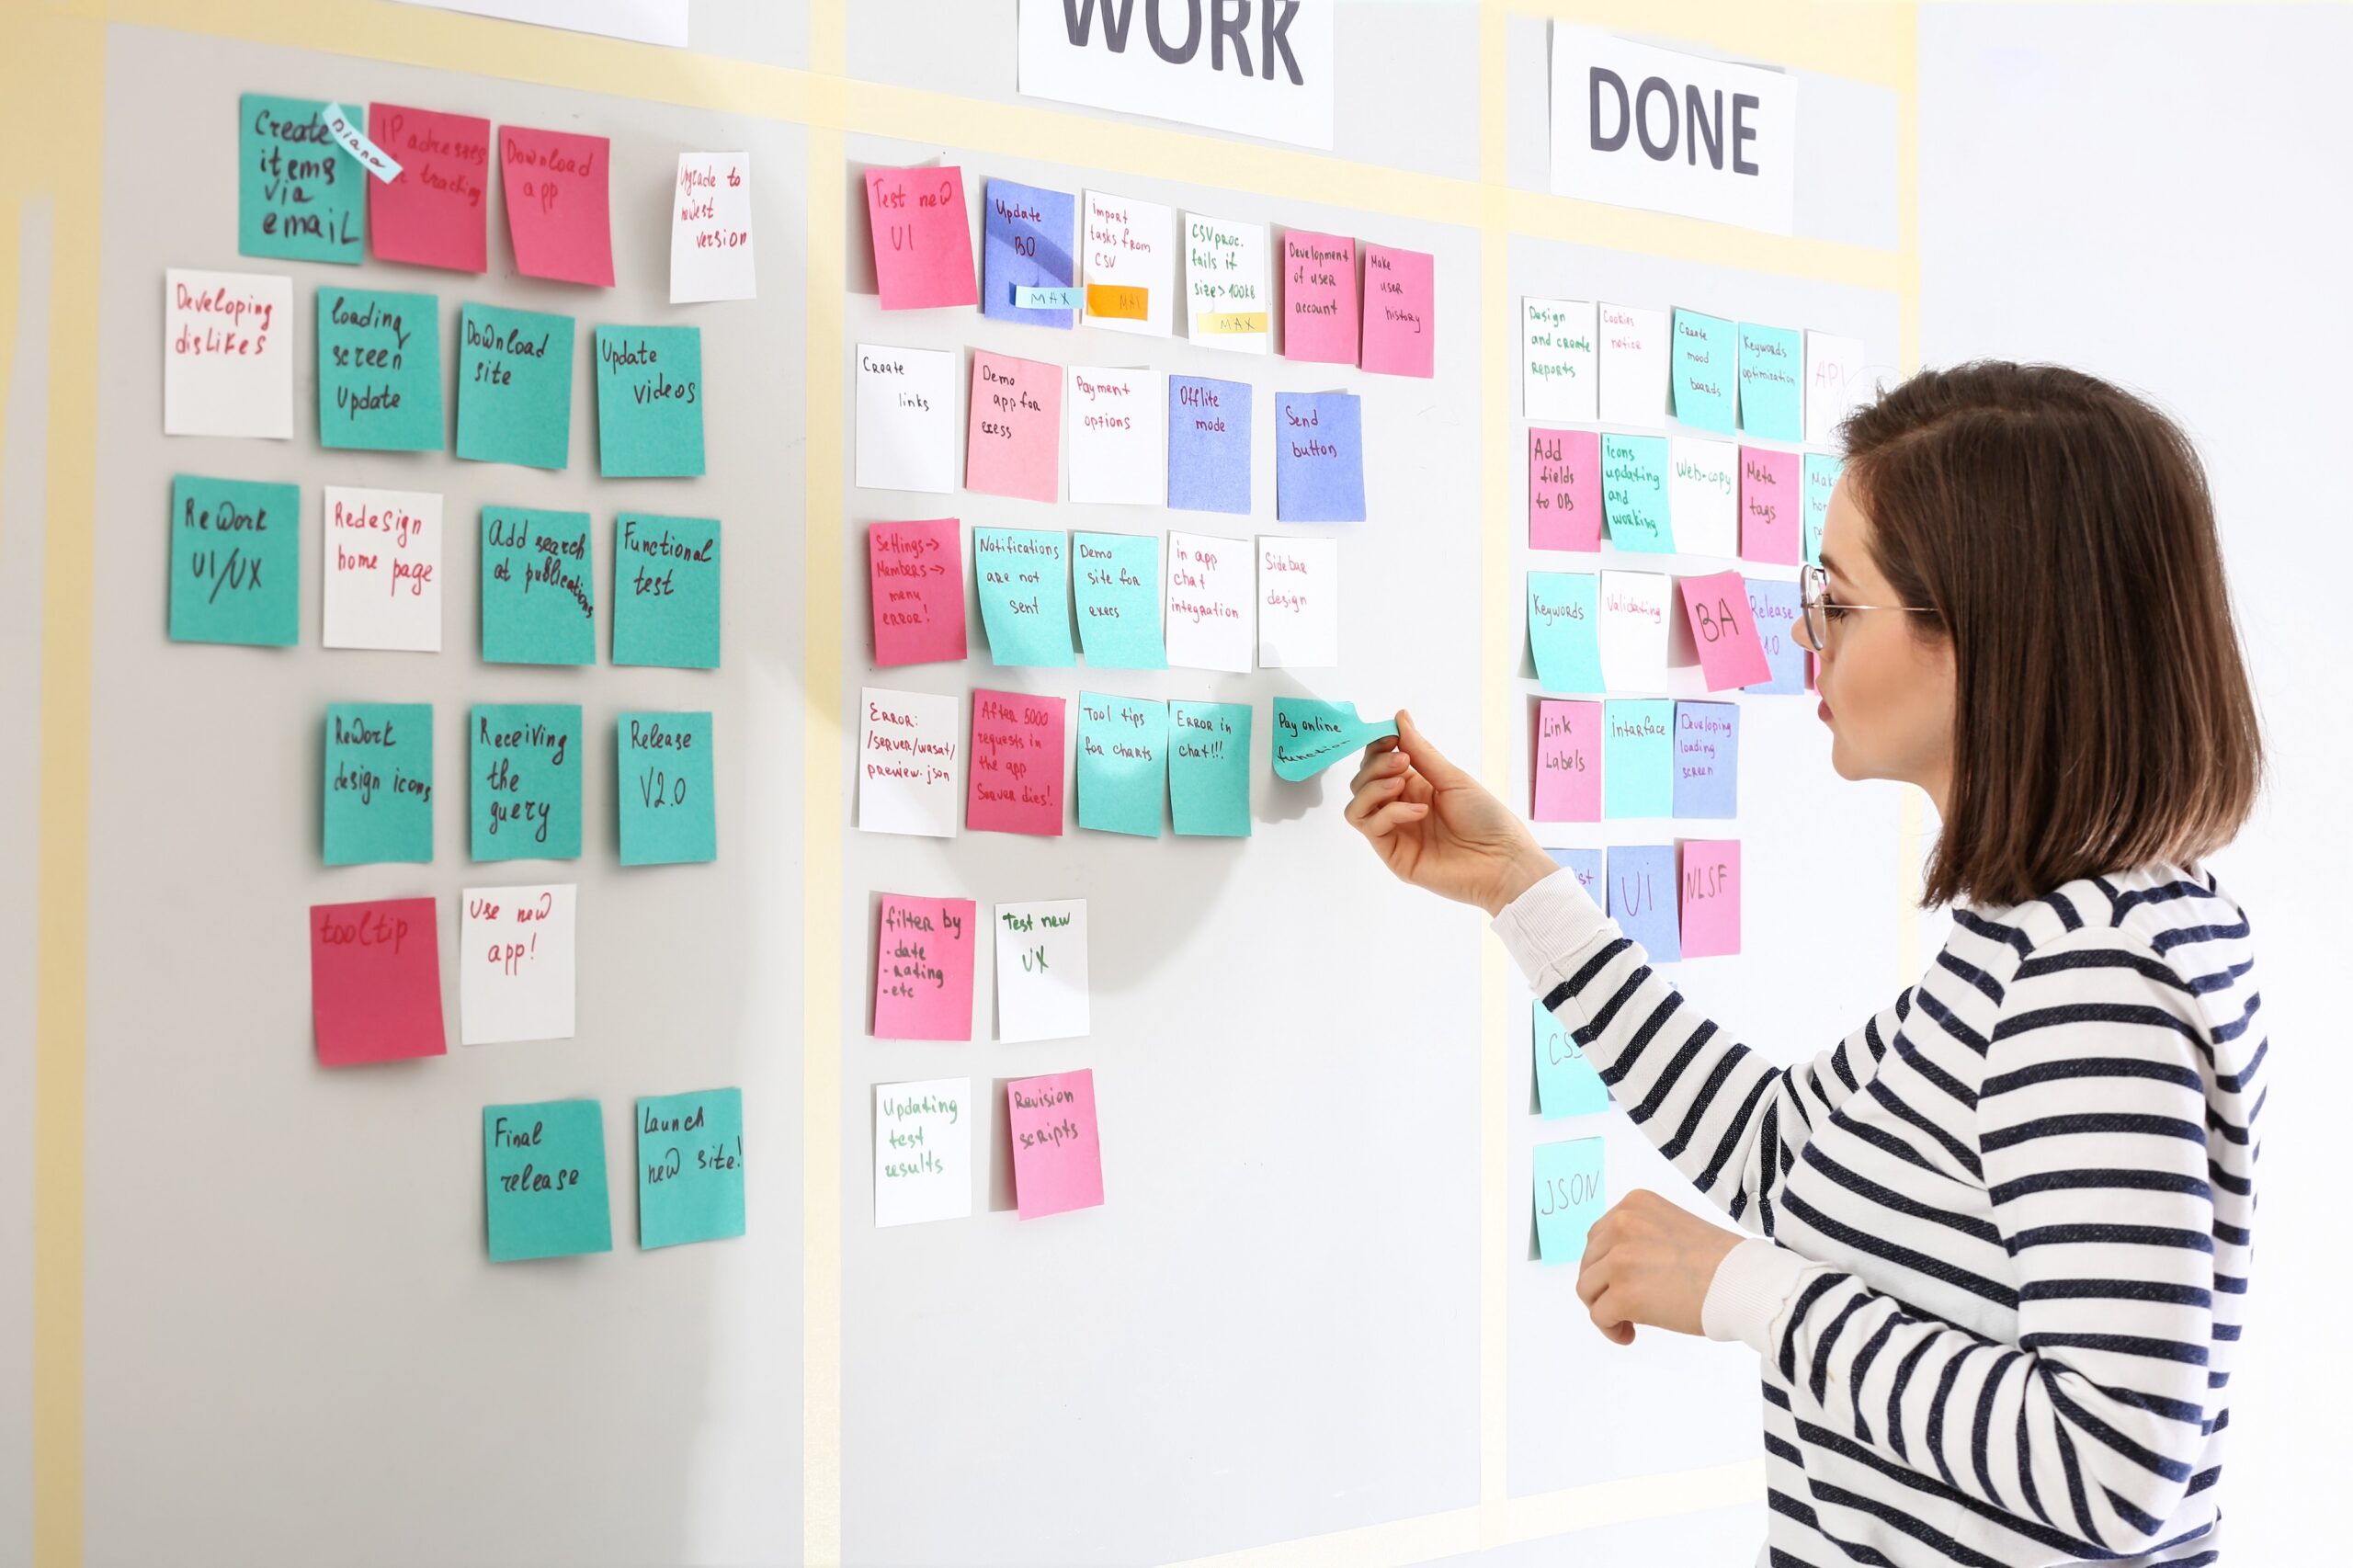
(538, 587)
(1309, 736)
(1566, 1083)
(524, 781)
(544, 1173)
(668, 817)
(689, 1167)
(300, 195)
(1209, 768)
(1116, 580)
(1633, 492)
(1568, 1197)
(514, 387)
(1702, 368)
(236, 561)
(1772, 382)
(1822, 473)
(1638, 757)
(379, 800)
(380, 370)
(665, 591)
(1122, 763)
(1023, 575)
(1564, 630)
(649, 401)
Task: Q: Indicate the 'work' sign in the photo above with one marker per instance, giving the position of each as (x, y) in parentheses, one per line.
(1261, 67)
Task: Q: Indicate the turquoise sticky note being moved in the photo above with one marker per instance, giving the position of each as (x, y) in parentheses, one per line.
(1023, 575)
(543, 1172)
(689, 1167)
(1568, 1197)
(1209, 768)
(1563, 631)
(380, 370)
(236, 556)
(514, 387)
(1122, 763)
(378, 789)
(1311, 735)
(1566, 1083)
(649, 401)
(668, 817)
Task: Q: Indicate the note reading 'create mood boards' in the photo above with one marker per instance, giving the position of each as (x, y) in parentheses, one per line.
(298, 198)
(1560, 378)
(689, 1167)
(1319, 458)
(1014, 445)
(1703, 384)
(228, 354)
(1209, 768)
(1208, 445)
(923, 969)
(667, 783)
(907, 419)
(1115, 580)
(1027, 247)
(516, 964)
(1226, 293)
(1024, 579)
(649, 401)
(923, 239)
(375, 981)
(538, 587)
(1568, 1197)
(1017, 764)
(515, 387)
(1122, 763)
(907, 752)
(524, 768)
(665, 591)
(1057, 1158)
(379, 371)
(377, 804)
(544, 1173)
(435, 212)
(237, 550)
(1042, 970)
(922, 1150)
(382, 570)
(916, 572)
(558, 203)
(1312, 734)
(1564, 490)
(710, 229)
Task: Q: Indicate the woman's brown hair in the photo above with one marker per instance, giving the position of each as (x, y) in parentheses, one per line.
(2062, 530)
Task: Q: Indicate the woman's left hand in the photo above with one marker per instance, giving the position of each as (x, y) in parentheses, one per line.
(1649, 1261)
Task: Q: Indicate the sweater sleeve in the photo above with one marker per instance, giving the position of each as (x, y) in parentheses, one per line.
(1720, 1111)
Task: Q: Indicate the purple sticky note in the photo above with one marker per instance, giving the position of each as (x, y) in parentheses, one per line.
(1774, 604)
(1585, 865)
(1208, 445)
(1643, 898)
(1028, 241)
(1707, 759)
(1319, 458)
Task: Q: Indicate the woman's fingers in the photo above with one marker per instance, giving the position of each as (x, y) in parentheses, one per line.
(1392, 817)
(1381, 765)
(1371, 796)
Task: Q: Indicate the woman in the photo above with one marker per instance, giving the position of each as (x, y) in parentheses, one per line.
(2002, 1228)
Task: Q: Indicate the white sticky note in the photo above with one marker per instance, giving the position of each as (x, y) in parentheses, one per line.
(710, 229)
(381, 564)
(1635, 629)
(1834, 382)
(1228, 299)
(1210, 599)
(228, 354)
(907, 419)
(1299, 603)
(514, 964)
(1632, 350)
(922, 1150)
(1133, 244)
(1703, 495)
(910, 752)
(1042, 970)
(1119, 450)
(1560, 375)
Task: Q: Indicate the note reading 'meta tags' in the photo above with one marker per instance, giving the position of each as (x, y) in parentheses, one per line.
(669, 812)
(1771, 510)
(1564, 490)
(1633, 493)
(1209, 769)
(923, 239)
(916, 572)
(1116, 443)
(909, 776)
(1772, 385)
(649, 401)
(1560, 378)
(1643, 898)
(1041, 971)
(1711, 912)
(298, 197)
(1311, 735)
(377, 800)
(1716, 608)
(1835, 384)
(923, 969)
(558, 204)
(1299, 603)
(1568, 1197)
(1565, 631)
(1208, 603)
(1638, 758)
(543, 1171)
(1028, 242)
(710, 229)
(379, 371)
(1208, 445)
(1819, 480)
(1773, 604)
(1635, 366)
(515, 964)
(1014, 445)
(228, 354)
(1320, 314)
(382, 562)
(1115, 579)
(524, 766)
(1568, 762)
(514, 387)
(1122, 764)
(236, 547)
(1226, 293)
(1707, 759)
(1400, 312)
(1133, 244)
(437, 212)
(1703, 360)
(907, 419)
(538, 587)
(665, 591)
(1703, 495)
(1024, 580)
(1566, 1083)
(1319, 458)
(1635, 629)
(689, 1167)
(922, 1151)
(375, 981)
(1017, 764)
(1057, 1155)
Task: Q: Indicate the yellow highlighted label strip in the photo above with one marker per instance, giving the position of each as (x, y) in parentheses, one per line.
(1234, 323)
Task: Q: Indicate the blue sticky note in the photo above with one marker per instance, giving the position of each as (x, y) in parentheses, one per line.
(538, 587)
(649, 401)
(380, 370)
(523, 769)
(1586, 866)
(1703, 370)
(543, 1172)
(1116, 580)
(1638, 757)
(1568, 1197)
(300, 195)
(1773, 603)
(1029, 239)
(1311, 735)
(668, 816)
(1566, 1083)
(1122, 763)
(1707, 759)
(236, 561)
(1633, 492)
(1822, 473)
(665, 591)
(1208, 445)
(1563, 620)
(689, 1167)
(1319, 458)
(1644, 898)
(1772, 382)
(1209, 768)
(1024, 580)
(514, 387)
(379, 800)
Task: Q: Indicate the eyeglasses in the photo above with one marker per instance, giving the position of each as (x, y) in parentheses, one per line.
(1813, 584)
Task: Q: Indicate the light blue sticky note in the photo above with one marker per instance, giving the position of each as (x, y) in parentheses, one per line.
(1644, 898)
(1633, 492)
(236, 561)
(1208, 445)
(1049, 299)
(665, 591)
(649, 401)
(379, 800)
(1122, 763)
(1028, 242)
(523, 771)
(1638, 757)
(1024, 580)
(1822, 473)
(538, 587)
(1772, 382)
(1116, 580)
(543, 1170)
(689, 1167)
(1209, 768)
(1568, 1197)
(514, 387)
(1311, 735)
(668, 816)
(1585, 866)
(1566, 1083)
(1773, 603)
(300, 196)
(1563, 618)
(1707, 759)
(1319, 458)
(380, 370)
(1703, 368)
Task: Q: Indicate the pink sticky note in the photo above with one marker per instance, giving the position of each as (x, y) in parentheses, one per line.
(1770, 508)
(1400, 312)
(1057, 1161)
(1568, 761)
(1017, 764)
(558, 203)
(1564, 490)
(437, 211)
(923, 239)
(1015, 443)
(1716, 608)
(917, 572)
(923, 969)
(1711, 897)
(376, 981)
(1319, 298)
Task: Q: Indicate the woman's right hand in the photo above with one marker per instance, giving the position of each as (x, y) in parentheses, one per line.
(1436, 827)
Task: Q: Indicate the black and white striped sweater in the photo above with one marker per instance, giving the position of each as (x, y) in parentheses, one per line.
(2009, 1218)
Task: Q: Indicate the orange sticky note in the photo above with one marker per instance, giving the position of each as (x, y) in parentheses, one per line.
(923, 239)
(1119, 301)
